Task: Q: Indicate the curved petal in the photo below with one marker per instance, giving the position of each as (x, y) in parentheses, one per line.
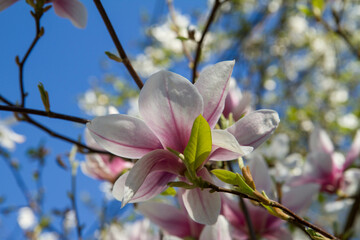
(299, 198)
(6, 3)
(227, 146)
(354, 151)
(255, 128)
(73, 10)
(320, 141)
(202, 205)
(213, 85)
(260, 173)
(154, 184)
(243, 107)
(219, 231)
(160, 163)
(169, 218)
(123, 135)
(169, 104)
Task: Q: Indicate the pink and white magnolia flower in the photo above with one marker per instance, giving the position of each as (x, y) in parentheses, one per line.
(176, 222)
(265, 225)
(168, 106)
(102, 166)
(236, 102)
(326, 167)
(73, 10)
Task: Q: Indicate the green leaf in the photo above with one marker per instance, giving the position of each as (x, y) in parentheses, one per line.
(226, 176)
(182, 38)
(243, 187)
(199, 145)
(318, 7)
(181, 185)
(169, 192)
(113, 57)
(44, 97)
(234, 179)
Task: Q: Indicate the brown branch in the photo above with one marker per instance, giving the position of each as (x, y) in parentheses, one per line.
(44, 113)
(209, 21)
(38, 34)
(122, 53)
(352, 213)
(291, 214)
(25, 117)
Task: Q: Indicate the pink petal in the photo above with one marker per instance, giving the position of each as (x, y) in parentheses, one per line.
(161, 164)
(202, 206)
(226, 147)
(320, 141)
(169, 104)
(255, 128)
(73, 10)
(219, 231)
(243, 107)
(299, 198)
(6, 3)
(353, 154)
(123, 135)
(169, 218)
(154, 184)
(260, 173)
(213, 85)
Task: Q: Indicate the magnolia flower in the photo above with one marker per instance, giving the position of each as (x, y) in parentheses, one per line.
(236, 102)
(73, 10)
(102, 166)
(326, 167)
(265, 225)
(176, 222)
(138, 230)
(8, 137)
(26, 218)
(169, 105)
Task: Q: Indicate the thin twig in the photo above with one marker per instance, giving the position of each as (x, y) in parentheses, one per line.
(245, 211)
(291, 214)
(209, 21)
(38, 34)
(177, 30)
(352, 213)
(44, 113)
(27, 118)
(73, 204)
(122, 53)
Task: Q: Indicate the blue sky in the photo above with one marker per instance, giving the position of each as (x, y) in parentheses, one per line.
(64, 60)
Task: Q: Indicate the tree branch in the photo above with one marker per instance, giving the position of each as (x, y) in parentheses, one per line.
(125, 59)
(211, 18)
(38, 34)
(291, 214)
(44, 113)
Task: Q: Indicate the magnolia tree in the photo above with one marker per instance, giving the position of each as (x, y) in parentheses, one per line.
(205, 157)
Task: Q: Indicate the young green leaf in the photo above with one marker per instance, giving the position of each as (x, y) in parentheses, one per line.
(181, 185)
(199, 145)
(44, 97)
(242, 186)
(225, 176)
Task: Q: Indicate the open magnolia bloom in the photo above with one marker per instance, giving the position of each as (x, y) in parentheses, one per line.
(168, 106)
(328, 168)
(73, 10)
(265, 225)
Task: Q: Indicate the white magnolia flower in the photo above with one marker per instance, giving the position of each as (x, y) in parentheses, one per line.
(8, 137)
(26, 218)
